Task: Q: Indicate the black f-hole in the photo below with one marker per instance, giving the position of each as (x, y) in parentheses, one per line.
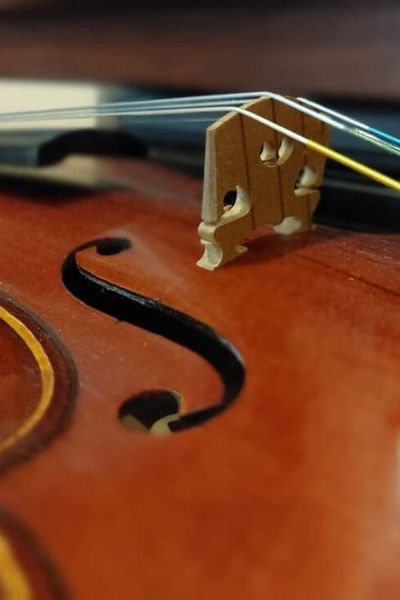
(158, 318)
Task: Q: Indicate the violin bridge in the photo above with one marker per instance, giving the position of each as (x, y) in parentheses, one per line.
(255, 176)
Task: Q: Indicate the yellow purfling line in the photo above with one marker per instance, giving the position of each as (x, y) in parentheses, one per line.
(14, 582)
(46, 375)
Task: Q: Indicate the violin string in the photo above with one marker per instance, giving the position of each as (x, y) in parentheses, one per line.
(381, 139)
(317, 147)
(369, 134)
(377, 137)
(238, 98)
(358, 124)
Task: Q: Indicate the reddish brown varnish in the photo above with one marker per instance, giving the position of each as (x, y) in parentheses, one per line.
(294, 491)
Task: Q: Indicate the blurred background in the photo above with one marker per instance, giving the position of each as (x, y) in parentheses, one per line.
(339, 48)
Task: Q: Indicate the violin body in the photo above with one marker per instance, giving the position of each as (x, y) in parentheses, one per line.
(287, 490)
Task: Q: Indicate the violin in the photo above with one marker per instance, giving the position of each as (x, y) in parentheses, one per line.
(170, 431)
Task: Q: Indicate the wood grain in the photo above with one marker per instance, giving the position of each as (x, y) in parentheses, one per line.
(293, 491)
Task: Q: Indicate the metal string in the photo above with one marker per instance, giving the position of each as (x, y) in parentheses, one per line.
(201, 105)
(384, 141)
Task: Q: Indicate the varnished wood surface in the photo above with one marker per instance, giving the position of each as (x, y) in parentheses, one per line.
(37, 383)
(335, 48)
(293, 491)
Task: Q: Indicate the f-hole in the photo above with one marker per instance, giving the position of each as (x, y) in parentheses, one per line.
(155, 317)
(152, 411)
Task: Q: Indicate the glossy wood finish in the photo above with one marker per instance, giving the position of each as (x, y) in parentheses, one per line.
(292, 492)
(26, 570)
(37, 384)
